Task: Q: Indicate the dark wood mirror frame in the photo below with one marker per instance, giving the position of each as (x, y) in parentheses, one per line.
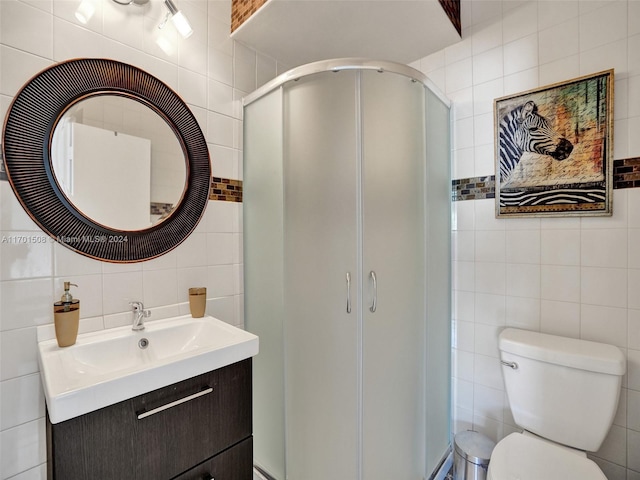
(27, 133)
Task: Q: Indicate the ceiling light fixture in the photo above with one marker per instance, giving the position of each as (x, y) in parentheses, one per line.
(179, 20)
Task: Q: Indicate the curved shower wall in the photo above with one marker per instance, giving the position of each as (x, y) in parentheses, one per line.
(347, 271)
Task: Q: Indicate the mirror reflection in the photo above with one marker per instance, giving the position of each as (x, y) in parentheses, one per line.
(118, 162)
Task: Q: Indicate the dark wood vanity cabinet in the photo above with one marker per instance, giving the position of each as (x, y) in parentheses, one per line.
(197, 429)
(224, 465)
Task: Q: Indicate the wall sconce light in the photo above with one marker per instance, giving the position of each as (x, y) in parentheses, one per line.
(87, 8)
(166, 44)
(129, 2)
(85, 11)
(178, 18)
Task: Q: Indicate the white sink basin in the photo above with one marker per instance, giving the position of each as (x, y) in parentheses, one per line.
(109, 366)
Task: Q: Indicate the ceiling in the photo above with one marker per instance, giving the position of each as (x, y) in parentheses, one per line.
(296, 32)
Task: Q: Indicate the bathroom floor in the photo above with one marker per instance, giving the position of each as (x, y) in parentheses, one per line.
(258, 476)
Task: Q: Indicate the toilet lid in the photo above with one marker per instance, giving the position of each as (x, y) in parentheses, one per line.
(521, 457)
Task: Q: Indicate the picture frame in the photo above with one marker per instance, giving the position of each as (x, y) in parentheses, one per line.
(554, 149)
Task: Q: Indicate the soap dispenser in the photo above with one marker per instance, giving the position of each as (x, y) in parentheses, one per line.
(66, 314)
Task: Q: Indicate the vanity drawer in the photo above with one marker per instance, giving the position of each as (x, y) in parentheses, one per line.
(158, 435)
(235, 463)
(184, 424)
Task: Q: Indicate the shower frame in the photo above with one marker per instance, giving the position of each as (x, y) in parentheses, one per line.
(268, 268)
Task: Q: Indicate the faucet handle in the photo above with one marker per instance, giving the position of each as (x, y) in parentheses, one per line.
(137, 306)
(139, 313)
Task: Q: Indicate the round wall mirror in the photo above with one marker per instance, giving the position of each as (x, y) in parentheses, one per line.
(118, 162)
(107, 160)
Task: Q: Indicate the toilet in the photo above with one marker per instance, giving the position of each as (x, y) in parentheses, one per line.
(564, 393)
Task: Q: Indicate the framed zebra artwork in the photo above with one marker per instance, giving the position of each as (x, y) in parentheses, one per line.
(554, 149)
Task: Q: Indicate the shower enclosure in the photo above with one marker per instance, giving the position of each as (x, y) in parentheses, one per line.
(347, 272)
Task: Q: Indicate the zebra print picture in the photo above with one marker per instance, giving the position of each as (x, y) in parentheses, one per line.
(553, 149)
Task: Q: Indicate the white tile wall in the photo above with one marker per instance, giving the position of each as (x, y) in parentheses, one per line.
(211, 73)
(575, 277)
(578, 277)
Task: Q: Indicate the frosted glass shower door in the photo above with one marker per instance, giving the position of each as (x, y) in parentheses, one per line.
(393, 151)
(438, 297)
(264, 276)
(321, 238)
(347, 274)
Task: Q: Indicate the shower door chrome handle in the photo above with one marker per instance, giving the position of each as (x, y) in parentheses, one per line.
(374, 285)
(348, 292)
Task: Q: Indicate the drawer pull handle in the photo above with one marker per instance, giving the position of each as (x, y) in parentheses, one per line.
(173, 404)
(207, 476)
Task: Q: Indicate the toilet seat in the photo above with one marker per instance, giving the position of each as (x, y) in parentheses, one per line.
(523, 457)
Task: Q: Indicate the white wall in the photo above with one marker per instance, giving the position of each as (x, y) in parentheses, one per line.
(211, 73)
(111, 176)
(578, 277)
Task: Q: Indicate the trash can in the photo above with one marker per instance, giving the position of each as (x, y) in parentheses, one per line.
(472, 454)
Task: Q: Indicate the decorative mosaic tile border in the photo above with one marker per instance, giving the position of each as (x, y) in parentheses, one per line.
(475, 188)
(222, 190)
(225, 190)
(452, 9)
(243, 9)
(626, 174)
(162, 209)
(3, 173)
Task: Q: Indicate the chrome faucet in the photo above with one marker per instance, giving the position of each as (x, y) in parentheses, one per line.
(139, 314)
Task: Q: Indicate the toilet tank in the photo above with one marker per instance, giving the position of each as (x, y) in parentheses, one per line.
(562, 389)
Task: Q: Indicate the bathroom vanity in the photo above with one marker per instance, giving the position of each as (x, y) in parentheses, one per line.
(173, 401)
(188, 430)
